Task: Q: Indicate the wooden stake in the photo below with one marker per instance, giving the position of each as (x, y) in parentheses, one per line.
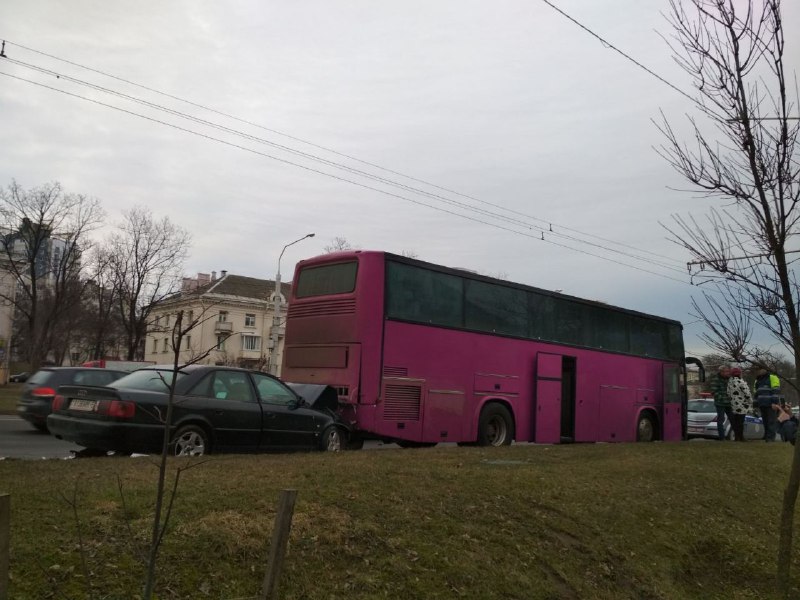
(277, 549)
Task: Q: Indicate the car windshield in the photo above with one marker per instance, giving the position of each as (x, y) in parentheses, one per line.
(701, 406)
(154, 380)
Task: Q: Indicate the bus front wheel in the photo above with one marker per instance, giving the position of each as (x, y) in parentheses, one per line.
(496, 426)
(646, 429)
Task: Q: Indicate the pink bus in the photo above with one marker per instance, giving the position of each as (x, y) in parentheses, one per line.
(421, 353)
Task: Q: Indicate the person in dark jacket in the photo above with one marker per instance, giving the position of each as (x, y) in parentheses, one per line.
(722, 402)
(766, 392)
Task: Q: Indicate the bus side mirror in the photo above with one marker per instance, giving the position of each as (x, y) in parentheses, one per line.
(691, 360)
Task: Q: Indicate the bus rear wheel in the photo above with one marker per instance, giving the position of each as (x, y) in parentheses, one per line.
(646, 429)
(496, 426)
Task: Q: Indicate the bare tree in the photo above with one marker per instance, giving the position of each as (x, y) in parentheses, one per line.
(338, 244)
(100, 326)
(744, 154)
(148, 257)
(44, 233)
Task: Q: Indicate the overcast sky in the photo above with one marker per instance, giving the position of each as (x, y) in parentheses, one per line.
(505, 102)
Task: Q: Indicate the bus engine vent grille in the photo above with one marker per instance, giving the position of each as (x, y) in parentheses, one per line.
(324, 308)
(402, 402)
(395, 371)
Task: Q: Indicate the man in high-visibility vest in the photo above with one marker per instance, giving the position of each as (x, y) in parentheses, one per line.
(766, 392)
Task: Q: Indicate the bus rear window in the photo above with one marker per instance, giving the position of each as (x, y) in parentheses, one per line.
(339, 278)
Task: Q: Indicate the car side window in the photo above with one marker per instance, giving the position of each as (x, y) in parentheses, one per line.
(88, 378)
(273, 391)
(233, 385)
(224, 385)
(203, 387)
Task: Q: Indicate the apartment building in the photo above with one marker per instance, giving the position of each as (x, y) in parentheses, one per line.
(233, 320)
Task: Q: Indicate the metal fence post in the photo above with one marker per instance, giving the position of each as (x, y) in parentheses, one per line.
(277, 549)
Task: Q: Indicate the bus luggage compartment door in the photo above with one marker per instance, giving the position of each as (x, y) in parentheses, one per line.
(548, 398)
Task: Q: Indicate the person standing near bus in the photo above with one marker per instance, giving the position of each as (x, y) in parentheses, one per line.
(741, 401)
(767, 389)
(722, 402)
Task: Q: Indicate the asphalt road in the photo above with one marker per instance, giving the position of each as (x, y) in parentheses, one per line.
(18, 439)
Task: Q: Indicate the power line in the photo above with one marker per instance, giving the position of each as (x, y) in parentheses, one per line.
(337, 177)
(338, 165)
(608, 44)
(550, 224)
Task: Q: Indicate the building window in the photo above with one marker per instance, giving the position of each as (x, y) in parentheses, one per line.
(166, 320)
(158, 321)
(191, 317)
(249, 320)
(164, 347)
(155, 345)
(251, 342)
(223, 316)
(221, 342)
(188, 342)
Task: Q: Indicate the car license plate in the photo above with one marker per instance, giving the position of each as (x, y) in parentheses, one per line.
(85, 405)
(695, 430)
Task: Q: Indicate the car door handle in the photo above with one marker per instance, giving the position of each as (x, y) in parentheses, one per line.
(218, 412)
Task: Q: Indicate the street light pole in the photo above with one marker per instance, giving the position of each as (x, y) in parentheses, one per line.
(276, 312)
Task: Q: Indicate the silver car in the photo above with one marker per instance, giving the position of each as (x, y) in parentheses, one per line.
(701, 422)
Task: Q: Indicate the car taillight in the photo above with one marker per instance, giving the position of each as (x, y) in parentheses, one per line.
(121, 409)
(43, 392)
(58, 402)
(714, 420)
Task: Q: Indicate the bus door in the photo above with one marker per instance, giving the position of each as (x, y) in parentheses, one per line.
(549, 376)
(672, 418)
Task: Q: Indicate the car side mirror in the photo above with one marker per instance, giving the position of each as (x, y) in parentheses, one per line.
(300, 402)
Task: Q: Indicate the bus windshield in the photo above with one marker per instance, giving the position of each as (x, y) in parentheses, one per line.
(338, 278)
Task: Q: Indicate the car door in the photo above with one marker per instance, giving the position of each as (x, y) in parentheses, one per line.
(226, 399)
(287, 425)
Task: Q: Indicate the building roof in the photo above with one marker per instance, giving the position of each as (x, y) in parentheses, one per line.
(237, 286)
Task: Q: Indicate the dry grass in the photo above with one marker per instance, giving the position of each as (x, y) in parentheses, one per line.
(9, 394)
(660, 521)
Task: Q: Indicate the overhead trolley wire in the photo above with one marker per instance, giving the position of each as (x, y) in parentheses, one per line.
(337, 177)
(550, 224)
(327, 162)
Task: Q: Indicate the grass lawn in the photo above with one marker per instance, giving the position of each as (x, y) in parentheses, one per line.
(607, 521)
(9, 394)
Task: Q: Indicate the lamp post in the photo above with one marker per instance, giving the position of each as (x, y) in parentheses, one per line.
(276, 316)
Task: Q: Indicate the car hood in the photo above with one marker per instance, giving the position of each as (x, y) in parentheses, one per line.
(316, 395)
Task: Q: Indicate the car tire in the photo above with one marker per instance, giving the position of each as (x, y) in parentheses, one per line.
(190, 440)
(496, 426)
(41, 427)
(645, 429)
(332, 439)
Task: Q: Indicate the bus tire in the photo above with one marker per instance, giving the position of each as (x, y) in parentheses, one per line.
(646, 428)
(496, 426)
